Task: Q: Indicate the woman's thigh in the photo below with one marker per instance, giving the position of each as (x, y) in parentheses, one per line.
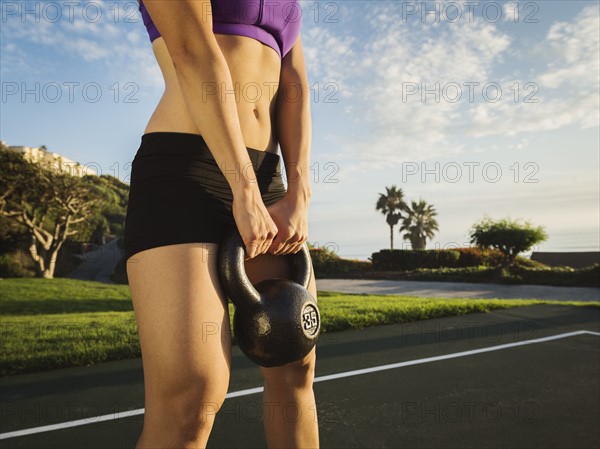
(183, 325)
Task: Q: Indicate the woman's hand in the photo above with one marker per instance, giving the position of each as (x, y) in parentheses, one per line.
(253, 221)
(290, 214)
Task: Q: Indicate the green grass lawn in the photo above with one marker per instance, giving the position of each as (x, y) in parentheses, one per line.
(58, 323)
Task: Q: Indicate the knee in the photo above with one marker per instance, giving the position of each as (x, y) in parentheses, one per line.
(197, 402)
(296, 375)
(188, 411)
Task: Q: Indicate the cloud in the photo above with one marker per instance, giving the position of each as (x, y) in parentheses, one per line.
(388, 73)
(13, 59)
(323, 50)
(398, 59)
(407, 75)
(568, 88)
(115, 44)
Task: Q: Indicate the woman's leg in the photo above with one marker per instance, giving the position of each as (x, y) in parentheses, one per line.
(289, 406)
(183, 325)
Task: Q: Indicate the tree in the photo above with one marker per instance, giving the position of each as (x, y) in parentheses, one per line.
(50, 204)
(509, 236)
(419, 224)
(391, 204)
(114, 208)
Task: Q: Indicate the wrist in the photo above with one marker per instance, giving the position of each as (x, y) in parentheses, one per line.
(300, 190)
(243, 187)
(298, 175)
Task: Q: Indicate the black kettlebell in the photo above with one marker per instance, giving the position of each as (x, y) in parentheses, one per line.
(277, 321)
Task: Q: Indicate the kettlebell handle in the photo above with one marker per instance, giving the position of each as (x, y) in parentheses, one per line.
(232, 272)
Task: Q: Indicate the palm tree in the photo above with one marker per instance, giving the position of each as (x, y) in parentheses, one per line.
(419, 224)
(391, 204)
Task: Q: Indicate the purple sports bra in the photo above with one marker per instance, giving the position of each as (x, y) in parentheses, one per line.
(275, 23)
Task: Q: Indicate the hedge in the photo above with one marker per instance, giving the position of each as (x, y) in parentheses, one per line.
(402, 259)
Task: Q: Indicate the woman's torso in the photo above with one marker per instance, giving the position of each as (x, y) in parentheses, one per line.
(255, 72)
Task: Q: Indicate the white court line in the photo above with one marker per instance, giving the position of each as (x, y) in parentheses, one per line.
(249, 391)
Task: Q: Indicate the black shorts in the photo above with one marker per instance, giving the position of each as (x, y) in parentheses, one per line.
(178, 193)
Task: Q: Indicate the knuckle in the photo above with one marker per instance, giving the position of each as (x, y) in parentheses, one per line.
(284, 236)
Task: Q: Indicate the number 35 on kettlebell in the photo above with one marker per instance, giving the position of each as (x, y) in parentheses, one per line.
(276, 321)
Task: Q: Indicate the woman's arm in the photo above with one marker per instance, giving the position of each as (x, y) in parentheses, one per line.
(186, 27)
(293, 121)
(293, 126)
(202, 73)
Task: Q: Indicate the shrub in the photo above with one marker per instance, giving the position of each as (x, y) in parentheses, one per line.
(326, 262)
(463, 274)
(509, 236)
(66, 262)
(474, 256)
(14, 265)
(567, 276)
(515, 274)
(524, 262)
(402, 259)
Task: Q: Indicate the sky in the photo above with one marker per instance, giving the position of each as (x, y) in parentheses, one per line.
(487, 108)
